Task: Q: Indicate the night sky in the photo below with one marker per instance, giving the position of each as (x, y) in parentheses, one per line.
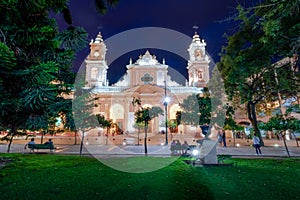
(209, 15)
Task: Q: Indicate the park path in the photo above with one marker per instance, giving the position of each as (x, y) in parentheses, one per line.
(273, 148)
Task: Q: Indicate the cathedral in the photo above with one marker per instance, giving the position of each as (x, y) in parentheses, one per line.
(145, 78)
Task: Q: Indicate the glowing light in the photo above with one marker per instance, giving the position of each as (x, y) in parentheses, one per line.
(237, 145)
(124, 143)
(167, 100)
(195, 152)
(162, 144)
(276, 145)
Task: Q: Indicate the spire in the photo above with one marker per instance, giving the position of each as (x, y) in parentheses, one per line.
(196, 38)
(99, 38)
(98, 48)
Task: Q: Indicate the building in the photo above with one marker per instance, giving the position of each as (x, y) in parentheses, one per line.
(146, 78)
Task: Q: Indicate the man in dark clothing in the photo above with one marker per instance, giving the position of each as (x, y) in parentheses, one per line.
(205, 129)
(224, 138)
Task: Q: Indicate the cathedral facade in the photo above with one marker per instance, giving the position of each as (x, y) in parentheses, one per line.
(145, 78)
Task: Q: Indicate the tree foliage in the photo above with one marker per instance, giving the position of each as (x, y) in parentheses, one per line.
(35, 64)
(104, 123)
(103, 5)
(250, 62)
(281, 123)
(145, 115)
(196, 109)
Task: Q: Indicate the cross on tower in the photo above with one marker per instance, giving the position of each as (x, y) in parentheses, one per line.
(195, 27)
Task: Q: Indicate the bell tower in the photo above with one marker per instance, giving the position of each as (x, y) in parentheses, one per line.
(198, 63)
(96, 66)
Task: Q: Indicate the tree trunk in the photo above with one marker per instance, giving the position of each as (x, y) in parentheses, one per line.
(139, 130)
(295, 139)
(81, 144)
(106, 136)
(42, 138)
(11, 139)
(145, 139)
(283, 112)
(75, 137)
(251, 109)
(285, 145)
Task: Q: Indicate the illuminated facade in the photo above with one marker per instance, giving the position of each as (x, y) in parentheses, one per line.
(146, 78)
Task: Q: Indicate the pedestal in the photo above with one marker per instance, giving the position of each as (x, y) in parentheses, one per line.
(208, 152)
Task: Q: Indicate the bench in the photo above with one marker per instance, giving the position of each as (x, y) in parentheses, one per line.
(32, 147)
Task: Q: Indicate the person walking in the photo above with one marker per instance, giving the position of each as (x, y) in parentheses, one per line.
(256, 144)
(224, 138)
(220, 137)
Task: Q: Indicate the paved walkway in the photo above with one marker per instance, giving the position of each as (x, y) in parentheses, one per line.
(115, 148)
(106, 151)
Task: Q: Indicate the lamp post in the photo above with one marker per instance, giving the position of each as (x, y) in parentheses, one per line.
(166, 101)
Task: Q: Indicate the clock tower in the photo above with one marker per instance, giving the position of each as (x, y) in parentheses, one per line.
(198, 64)
(96, 66)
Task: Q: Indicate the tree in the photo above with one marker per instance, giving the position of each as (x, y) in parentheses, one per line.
(190, 111)
(103, 5)
(281, 124)
(219, 101)
(280, 25)
(104, 123)
(138, 126)
(196, 109)
(69, 123)
(294, 126)
(40, 63)
(246, 61)
(229, 123)
(82, 107)
(36, 61)
(145, 115)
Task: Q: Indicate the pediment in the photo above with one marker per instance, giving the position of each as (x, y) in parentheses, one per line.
(146, 89)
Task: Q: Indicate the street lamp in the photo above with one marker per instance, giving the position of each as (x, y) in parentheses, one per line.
(166, 101)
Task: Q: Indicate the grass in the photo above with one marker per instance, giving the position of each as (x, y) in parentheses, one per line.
(32, 176)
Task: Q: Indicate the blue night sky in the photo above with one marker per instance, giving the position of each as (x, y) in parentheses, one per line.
(209, 15)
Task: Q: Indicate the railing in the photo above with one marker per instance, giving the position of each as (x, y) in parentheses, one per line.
(172, 89)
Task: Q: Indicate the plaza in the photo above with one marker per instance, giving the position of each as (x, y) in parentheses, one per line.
(116, 147)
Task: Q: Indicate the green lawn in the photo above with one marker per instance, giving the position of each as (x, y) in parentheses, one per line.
(33, 176)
